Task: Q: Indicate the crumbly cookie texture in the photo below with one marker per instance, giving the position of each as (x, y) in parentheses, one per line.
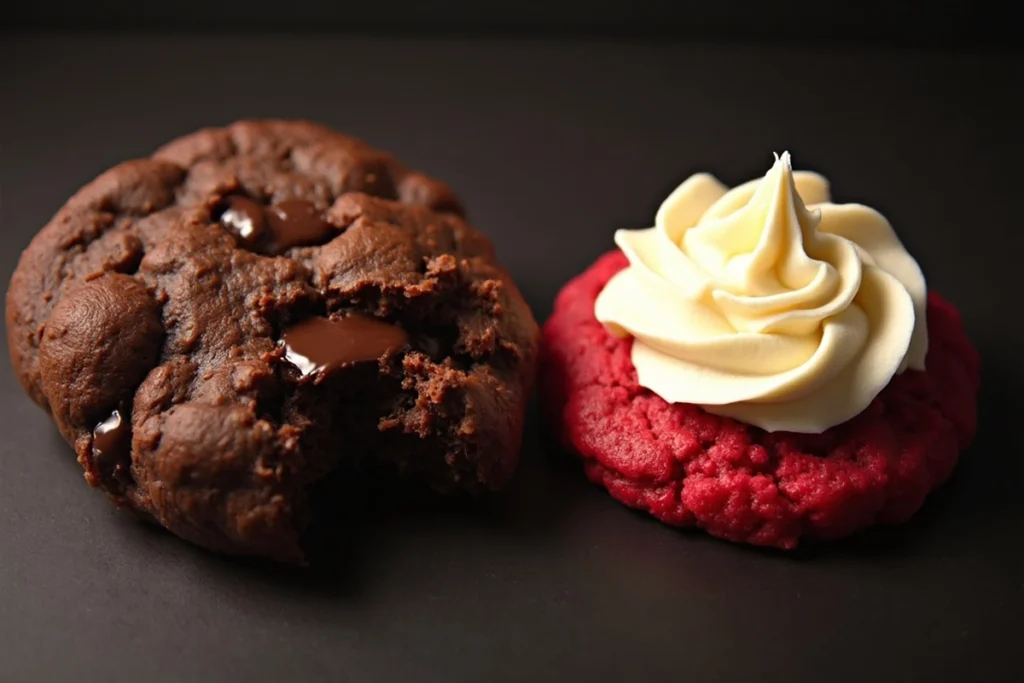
(687, 467)
(174, 319)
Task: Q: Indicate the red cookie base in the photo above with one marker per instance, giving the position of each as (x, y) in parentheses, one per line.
(690, 468)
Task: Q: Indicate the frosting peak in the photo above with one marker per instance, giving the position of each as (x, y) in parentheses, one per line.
(768, 303)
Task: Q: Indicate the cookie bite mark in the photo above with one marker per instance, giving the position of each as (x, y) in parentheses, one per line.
(101, 340)
(320, 345)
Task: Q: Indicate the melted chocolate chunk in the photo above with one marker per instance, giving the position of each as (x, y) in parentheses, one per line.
(111, 448)
(245, 219)
(274, 229)
(296, 222)
(320, 344)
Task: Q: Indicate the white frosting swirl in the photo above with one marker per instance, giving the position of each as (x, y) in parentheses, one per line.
(767, 303)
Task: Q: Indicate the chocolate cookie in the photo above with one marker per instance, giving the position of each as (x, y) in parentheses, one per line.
(218, 327)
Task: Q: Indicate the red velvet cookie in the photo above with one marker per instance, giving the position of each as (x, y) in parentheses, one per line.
(690, 468)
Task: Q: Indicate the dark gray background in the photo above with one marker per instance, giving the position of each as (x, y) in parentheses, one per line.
(552, 146)
(978, 23)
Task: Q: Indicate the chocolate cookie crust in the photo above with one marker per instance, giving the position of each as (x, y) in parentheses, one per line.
(173, 318)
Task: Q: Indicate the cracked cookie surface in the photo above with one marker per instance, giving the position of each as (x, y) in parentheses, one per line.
(216, 328)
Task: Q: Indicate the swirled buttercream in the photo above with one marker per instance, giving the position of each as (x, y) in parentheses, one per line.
(767, 303)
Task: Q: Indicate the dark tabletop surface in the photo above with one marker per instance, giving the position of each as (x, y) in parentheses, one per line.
(552, 147)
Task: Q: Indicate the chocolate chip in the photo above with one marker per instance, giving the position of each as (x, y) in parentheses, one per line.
(111, 449)
(296, 222)
(244, 219)
(321, 344)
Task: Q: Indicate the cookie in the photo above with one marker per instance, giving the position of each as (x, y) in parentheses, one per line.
(690, 468)
(218, 327)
